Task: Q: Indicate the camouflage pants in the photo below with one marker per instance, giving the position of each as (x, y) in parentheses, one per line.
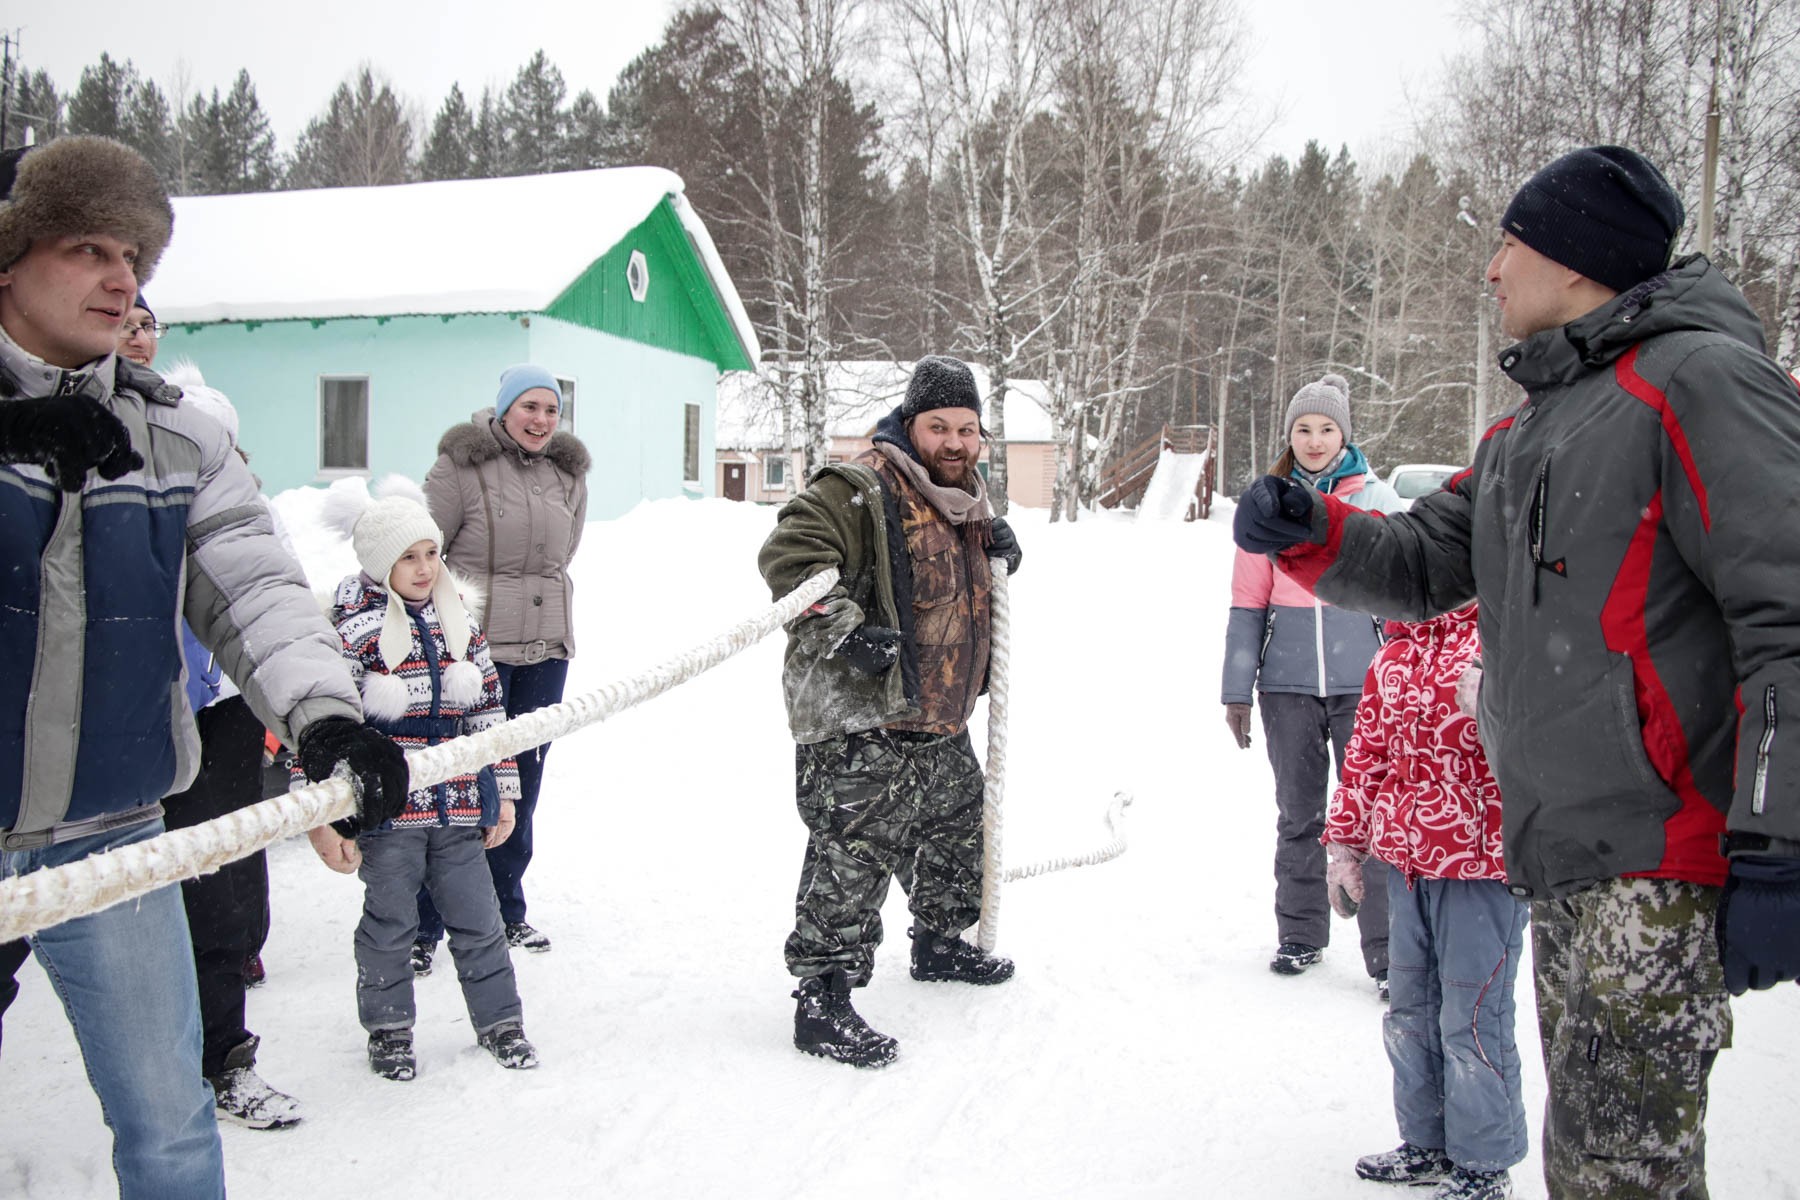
(1632, 1011)
(879, 804)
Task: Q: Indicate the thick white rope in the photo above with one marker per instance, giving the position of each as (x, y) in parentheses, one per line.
(993, 874)
(56, 894)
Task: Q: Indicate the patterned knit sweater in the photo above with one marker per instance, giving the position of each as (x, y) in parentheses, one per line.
(429, 699)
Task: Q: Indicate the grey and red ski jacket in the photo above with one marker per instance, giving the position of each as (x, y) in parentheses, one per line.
(1630, 533)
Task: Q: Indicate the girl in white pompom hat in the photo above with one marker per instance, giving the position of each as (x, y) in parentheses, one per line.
(422, 663)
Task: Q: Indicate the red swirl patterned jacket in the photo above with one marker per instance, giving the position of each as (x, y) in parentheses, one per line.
(1416, 791)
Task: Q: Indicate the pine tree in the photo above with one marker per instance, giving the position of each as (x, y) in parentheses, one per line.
(535, 119)
(102, 100)
(227, 145)
(589, 137)
(150, 130)
(488, 143)
(37, 111)
(449, 150)
(362, 139)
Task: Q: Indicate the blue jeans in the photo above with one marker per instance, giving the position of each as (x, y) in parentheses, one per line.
(527, 688)
(1453, 956)
(126, 980)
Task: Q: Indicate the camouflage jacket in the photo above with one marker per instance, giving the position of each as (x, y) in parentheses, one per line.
(951, 620)
(853, 518)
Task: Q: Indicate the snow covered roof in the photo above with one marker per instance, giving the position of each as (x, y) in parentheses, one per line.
(862, 392)
(457, 246)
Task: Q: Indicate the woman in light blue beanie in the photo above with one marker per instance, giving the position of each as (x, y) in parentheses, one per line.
(509, 491)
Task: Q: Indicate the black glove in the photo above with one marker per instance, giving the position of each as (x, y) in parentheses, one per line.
(68, 436)
(871, 649)
(376, 762)
(1273, 514)
(1759, 922)
(1002, 544)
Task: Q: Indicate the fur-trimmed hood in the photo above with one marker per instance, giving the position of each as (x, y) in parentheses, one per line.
(480, 439)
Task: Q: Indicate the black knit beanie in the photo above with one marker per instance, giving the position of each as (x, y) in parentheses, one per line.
(1604, 211)
(940, 382)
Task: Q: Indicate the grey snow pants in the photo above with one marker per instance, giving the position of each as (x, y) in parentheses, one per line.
(1297, 730)
(1456, 945)
(451, 862)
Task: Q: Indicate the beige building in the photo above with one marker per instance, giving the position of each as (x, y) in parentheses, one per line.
(753, 463)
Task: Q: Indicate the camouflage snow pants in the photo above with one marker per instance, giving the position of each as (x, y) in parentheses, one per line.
(1632, 1011)
(879, 804)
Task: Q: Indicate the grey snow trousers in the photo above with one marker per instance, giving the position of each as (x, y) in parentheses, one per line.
(451, 862)
(1297, 730)
(1455, 950)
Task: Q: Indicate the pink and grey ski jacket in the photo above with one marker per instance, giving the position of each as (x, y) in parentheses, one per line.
(1629, 530)
(1280, 637)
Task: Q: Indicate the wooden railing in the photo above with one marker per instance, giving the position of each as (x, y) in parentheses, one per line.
(1127, 477)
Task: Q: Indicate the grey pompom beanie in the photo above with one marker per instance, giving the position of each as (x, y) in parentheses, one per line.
(1328, 397)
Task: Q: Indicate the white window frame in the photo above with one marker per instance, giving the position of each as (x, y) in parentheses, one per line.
(566, 419)
(690, 444)
(339, 472)
(781, 465)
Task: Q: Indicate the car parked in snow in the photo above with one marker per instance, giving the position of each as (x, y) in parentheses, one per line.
(1412, 480)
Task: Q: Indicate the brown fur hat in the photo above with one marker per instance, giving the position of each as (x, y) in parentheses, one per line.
(86, 185)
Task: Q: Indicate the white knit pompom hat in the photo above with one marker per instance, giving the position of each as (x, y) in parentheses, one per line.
(384, 522)
(209, 400)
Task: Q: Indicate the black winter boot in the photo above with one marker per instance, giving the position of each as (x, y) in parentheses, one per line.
(391, 1054)
(826, 1025)
(946, 958)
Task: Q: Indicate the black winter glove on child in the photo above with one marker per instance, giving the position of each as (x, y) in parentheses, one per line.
(1759, 923)
(1273, 514)
(68, 436)
(374, 760)
(1002, 543)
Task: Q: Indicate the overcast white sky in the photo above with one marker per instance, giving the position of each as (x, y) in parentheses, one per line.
(1337, 70)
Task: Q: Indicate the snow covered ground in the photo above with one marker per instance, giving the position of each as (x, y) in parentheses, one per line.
(1143, 1050)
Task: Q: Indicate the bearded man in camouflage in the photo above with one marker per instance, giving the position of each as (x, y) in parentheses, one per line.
(881, 677)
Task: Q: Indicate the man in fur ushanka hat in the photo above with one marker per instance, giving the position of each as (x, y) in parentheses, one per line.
(122, 512)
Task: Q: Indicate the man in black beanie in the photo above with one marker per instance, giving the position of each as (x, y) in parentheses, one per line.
(881, 678)
(1641, 636)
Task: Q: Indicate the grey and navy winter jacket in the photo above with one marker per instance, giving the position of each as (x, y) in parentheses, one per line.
(95, 726)
(427, 699)
(1630, 533)
(1280, 637)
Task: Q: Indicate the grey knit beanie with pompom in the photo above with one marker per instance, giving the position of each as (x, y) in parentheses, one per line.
(1328, 397)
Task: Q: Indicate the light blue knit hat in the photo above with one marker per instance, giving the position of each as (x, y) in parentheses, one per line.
(515, 381)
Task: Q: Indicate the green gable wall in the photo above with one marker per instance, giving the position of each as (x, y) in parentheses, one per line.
(679, 312)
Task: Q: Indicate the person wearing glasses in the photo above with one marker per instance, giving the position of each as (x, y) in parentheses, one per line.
(140, 333)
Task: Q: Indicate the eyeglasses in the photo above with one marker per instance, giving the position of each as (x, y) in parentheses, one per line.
(129, 330)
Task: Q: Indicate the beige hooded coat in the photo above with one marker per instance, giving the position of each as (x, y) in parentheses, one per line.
(512, 522)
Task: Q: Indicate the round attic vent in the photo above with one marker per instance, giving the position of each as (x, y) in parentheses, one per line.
(637, 274)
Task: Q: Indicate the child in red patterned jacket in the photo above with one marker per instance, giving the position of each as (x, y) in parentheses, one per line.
(423, 667)
(1417, 795)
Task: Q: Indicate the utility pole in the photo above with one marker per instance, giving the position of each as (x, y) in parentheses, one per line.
(7, 42)
(1710, 168)
(1483, 354)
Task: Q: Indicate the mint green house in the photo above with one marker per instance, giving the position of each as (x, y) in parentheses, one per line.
(352, 326)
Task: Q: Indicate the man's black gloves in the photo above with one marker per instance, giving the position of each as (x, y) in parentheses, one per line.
(1759, 922)
(871, 649)
(1002, 544)
(68, 436)
(1273, 514)
(376, 762)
